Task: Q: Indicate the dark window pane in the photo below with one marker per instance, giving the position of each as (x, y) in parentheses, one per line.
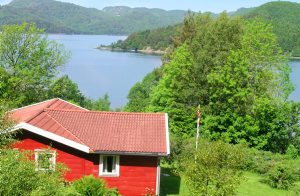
(109, 164)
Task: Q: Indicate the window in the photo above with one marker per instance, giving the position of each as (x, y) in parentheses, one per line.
(45, 160)
(109, 165)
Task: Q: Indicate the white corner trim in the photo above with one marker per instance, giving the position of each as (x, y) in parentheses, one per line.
(116, 174)
(31, 105)
(167, 133)
(51, 136)
(158, 177)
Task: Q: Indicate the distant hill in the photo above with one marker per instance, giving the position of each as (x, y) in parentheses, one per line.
(284, 16)
(59, 17)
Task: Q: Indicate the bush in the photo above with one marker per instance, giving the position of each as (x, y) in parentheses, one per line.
(292, 152)
(216, 170)
(281, 177)
(261, 162)
(91, 186)
(18, 176)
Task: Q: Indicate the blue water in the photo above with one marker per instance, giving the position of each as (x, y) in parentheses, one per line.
(295, 77)
(98, 72)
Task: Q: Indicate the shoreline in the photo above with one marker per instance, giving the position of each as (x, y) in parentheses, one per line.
(294, 58)
(147, 51)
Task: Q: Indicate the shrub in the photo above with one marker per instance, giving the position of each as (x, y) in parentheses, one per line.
(19, 177)
(216, 170)
(261, 162)
(91, 186)
(281, 177)
(292, 152)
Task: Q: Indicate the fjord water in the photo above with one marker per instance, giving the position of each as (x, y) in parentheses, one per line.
(98, 72)
(295, 77)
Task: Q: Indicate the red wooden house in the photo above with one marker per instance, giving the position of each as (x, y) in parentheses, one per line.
(122, 148)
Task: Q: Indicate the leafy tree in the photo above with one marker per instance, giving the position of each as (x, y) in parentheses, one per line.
(173, 92)
(205, 44)
(5, 124)
(66, 89)
(28, 63)
(139, 95)
(248, 93)
(239, 74)
(216, 170)
(101, 104)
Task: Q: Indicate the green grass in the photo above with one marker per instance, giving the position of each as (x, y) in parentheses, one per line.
(171, 184)
(252, 186)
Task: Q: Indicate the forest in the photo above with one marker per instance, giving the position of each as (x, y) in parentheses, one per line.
(281, 15)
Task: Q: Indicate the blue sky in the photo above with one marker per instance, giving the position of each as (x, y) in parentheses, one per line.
(195, 5)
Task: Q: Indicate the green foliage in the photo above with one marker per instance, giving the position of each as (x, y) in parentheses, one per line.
(278, 120)
(281, 177)
(18, 176)
(139, 95)
(157, 39)
(101, 104)
(216, 170)
(5, 125)
(237, 72)
(282, 16)
(274, 167)
(66, 89)
(28, 63)
(173, 91)
(254, 186)
(262, 162)
(91, 186)
(59, 17)
(246, 86)
(292, 152)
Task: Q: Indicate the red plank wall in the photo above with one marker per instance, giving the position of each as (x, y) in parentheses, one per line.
(136, 172)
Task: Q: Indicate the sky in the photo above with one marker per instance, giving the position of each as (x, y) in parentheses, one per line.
(215, 6)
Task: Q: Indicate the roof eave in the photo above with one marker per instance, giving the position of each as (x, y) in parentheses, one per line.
(154, 154)
(51, 136)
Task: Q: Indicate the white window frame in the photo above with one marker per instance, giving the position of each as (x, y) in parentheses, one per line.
(117, 162)
(52, 163)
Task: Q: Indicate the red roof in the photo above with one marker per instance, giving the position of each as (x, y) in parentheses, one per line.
(110, 132)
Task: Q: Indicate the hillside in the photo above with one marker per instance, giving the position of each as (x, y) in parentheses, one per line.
(284, 16)
(59, 17)
(156, 39)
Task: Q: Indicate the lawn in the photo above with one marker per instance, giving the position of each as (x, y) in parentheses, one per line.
(172, 185)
